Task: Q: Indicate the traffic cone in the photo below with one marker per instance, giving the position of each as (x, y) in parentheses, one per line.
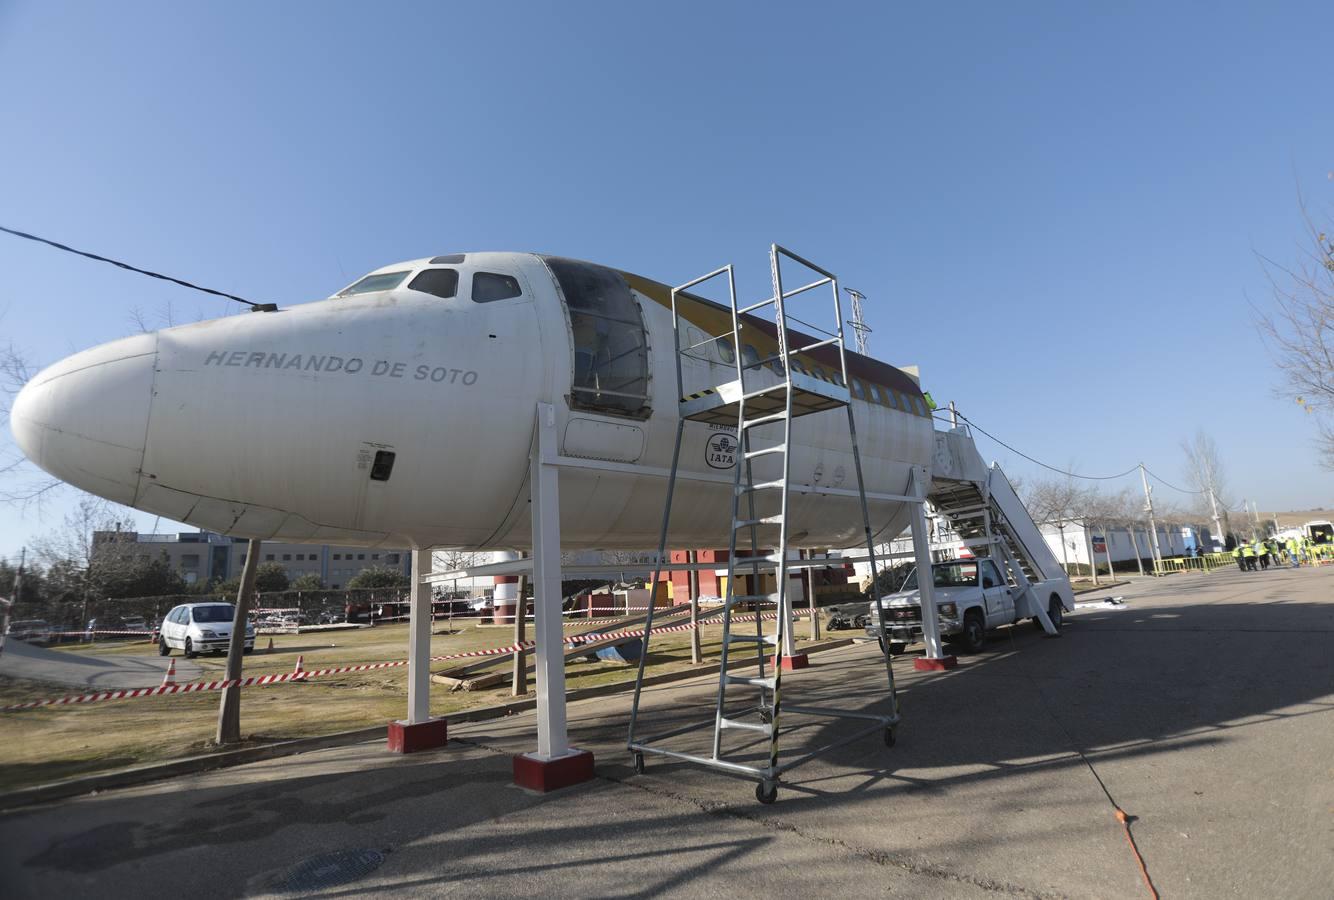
(299, 671)
(270, 650)
(169, 680)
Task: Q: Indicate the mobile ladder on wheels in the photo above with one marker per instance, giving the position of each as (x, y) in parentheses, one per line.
(750, 406)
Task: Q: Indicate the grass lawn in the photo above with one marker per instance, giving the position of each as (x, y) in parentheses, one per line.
(43, 745)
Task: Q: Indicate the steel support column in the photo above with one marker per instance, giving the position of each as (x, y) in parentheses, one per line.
(545, 491)
(419, 640)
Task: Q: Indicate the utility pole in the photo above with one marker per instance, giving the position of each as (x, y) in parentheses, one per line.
(859, 327)
(1153, 526)
(1218, 525)
(229, 711)
(954, 415)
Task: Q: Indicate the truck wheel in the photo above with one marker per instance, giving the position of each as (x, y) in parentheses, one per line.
(162, 648)
(974, 635)
(896, 648)
(1056, 613)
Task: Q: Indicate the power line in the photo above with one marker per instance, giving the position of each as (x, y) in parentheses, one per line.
(1171, 485)
(1039, 462)
(261, 307)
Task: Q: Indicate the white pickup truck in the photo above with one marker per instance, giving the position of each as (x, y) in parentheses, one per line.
(971, 596)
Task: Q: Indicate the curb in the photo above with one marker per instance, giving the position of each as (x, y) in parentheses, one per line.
(193, 765)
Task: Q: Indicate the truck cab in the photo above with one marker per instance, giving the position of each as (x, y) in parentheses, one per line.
(972, 596)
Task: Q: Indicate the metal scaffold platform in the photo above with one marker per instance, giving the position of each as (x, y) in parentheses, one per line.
(759, 508)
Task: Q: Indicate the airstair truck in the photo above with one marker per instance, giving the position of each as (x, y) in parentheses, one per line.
(1013, 574)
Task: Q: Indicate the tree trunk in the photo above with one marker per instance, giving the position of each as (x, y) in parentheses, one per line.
(229, 712)
(520, 686)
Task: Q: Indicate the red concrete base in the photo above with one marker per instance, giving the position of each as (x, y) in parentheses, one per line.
(799, 661)
(934, 664)
(428, 735)
(552, 774)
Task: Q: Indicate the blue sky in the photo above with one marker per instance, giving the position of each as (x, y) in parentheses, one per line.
(1054, 209)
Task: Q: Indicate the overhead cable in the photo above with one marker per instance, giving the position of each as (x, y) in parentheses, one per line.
(1170, 484)
(262, 307)
(1039, 462)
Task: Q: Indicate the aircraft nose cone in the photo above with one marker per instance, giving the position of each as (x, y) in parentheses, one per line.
(85, 419)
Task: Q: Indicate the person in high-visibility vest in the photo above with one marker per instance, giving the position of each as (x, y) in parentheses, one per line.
(1248, 557)
(1236, 554)
(1262, 554)
(1293, 559)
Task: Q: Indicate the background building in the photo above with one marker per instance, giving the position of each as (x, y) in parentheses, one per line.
(204, 556)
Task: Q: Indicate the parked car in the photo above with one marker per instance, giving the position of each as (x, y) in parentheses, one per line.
(34, 631)
(195, 628)
(135, 623)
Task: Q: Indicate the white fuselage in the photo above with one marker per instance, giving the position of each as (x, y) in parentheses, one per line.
(268, 424)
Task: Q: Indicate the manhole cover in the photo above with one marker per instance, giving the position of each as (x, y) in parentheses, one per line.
(330, 869)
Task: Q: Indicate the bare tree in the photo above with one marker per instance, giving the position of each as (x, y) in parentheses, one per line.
(1052, 500)
(1204, 468)
(1299, 327)
(22, 483)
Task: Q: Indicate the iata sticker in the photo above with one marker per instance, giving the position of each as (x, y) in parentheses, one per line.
(720, 451)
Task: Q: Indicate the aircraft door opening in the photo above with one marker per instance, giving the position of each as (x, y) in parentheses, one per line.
(610, 344)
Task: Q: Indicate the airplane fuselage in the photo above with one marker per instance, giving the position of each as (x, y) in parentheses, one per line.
(395, 413)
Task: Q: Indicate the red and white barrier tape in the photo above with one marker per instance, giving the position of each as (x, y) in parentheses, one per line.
(196, 687)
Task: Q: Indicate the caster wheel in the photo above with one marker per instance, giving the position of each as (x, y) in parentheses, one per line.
(890, 738)
(639, 764)
(766, 716)
(766, 792)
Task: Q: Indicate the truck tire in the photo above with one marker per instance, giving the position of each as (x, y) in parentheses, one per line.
(1056, 612)
(973, 638)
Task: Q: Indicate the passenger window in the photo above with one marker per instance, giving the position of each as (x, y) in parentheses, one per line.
(819, 373)
(438, 282)
(610, 343)
(891, 398)
(776, 364)
(857, 390)
(725, 350)
(836, 378)
(874, 391)
(488, 287)
(796, 367)
(750, 356)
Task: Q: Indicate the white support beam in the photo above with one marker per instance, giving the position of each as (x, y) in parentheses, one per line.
(419, 640)
(544, 486)
(921, 541)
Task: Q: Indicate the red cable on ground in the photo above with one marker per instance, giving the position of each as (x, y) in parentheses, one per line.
(1134, 848)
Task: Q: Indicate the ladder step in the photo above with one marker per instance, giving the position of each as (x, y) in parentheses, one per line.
(771, 639)
(751, 454)
(764, 420)
(763, 728)
(762, 486)
(751, 680)
(763, 520)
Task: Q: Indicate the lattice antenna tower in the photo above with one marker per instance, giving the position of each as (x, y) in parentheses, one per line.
(859, 326)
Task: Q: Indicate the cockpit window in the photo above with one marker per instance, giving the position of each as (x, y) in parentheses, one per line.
(487, 287)
(385, 281)
(440, 282)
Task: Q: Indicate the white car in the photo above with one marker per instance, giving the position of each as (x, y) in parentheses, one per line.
(196, 628)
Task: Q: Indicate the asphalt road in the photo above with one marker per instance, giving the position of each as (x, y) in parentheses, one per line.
(1204, 708)
(98, 673)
